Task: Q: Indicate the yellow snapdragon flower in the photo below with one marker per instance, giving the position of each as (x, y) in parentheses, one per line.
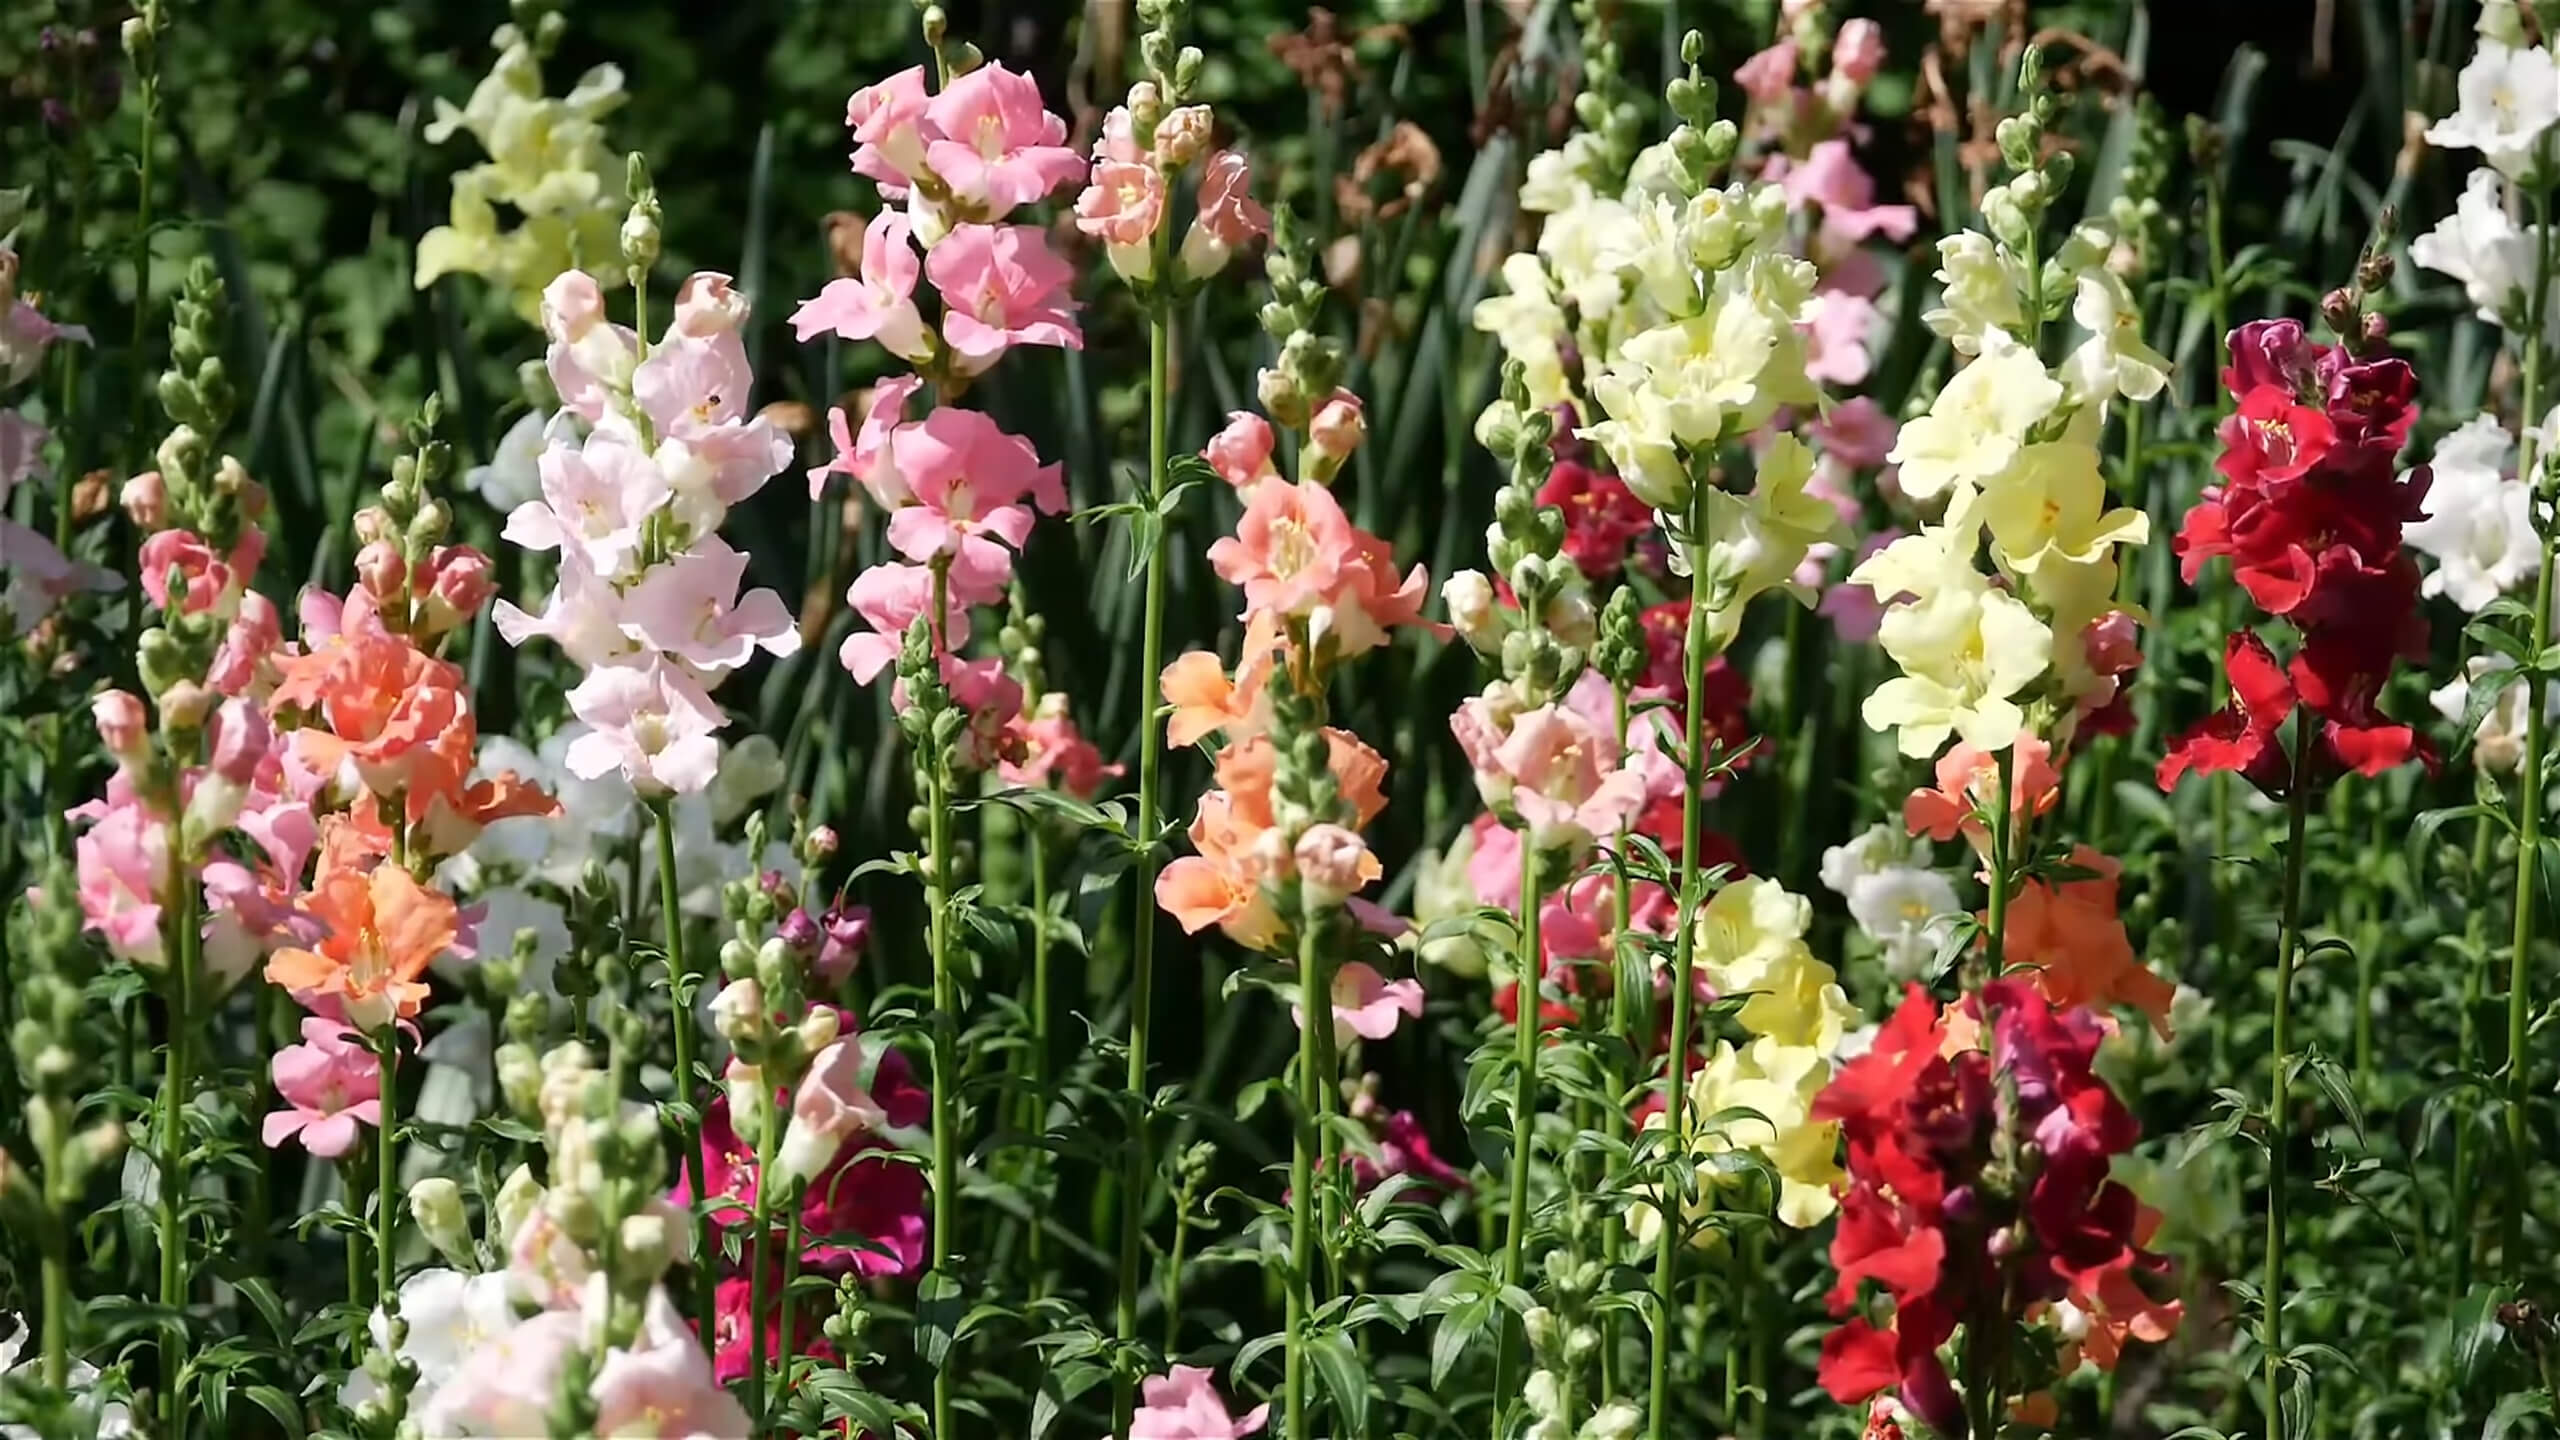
(1979, 422)
(1965, 647)
(548, 163)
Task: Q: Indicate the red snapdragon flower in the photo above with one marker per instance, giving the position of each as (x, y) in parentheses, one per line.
(2311, 517)
(1602, 517)
(1979, 1145)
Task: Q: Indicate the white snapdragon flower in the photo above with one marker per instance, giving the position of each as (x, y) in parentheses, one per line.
(2114, 360)
(2508, 98)
(2482, 246)
(449, 1315)
(1979, 422)
(2479, 520)
(114, 1421)
(1981, 283)
(1908, 911)
(2497, 746)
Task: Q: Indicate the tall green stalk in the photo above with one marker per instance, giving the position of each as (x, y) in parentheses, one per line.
(1666, 1264)
(946, 1018)
(1315, 1007)
(2529, 786)
(176, 1083)
(2465, 1207)
(148, 74)
(760, 1255)
(2288, 953)
(1038, 857)
(1142, 940)
(680, 982)
(386, 1184)
(1524, 1117)
(1995, 949)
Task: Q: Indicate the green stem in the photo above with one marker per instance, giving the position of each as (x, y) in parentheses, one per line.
(1142, 950)
(1995, 950)
(1315, 1008)
(680, 983)
(386, 1185)
(768, 1121)
(2288, 947)
(946, 1024)
(1737, 1277)
(1173, 1278)
(1666, 1264)
(2529, 787)
(1524, 1115)
(57, 1296)
(791, 1241)
(1039, 1119)
(176, 1083)
(142, 244)
(2465, 1208)
(1614, 1114)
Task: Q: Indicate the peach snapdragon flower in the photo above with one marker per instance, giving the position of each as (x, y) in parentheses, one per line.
(383, 930)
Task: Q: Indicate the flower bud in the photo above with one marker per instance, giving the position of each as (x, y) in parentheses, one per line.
(1241, 451)
(374, 525)
(738, 1010)
(123, 726)
(519, 1195)
(380, 569)
(1278, 393)
(1857, 54)
(706, 305)
(145, 498)
(184, 705)
(435, 1203)
(801, 932)
(819, 1028)
(1329, 860)
(1182, 135)
(240, 740)
(1470, 599)
(640, 235)
(462, 582)
(848, 934)
(520, 1080)
(647, 1248)
(1337, 428)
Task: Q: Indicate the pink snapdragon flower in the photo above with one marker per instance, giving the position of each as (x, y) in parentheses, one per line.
(879, 304)
(1367, 1005)
(864, 453)
(1226, 220)
(582, 615)
(331, 1085)
(889, 598)
(832, 1107)
(970, 480)
(124, 869)
(995, 145)
(1184, 1405)
(595, 497)
(651, 721)
(1831, 179)
(887, 123)
(211, 583)
(1054, 750)
(1769, 76)
(664, 1387)
(1123, 208)
(1555, 768)
(1241, 452)
(1857, 433)
(993, 700)
(1969, 788)
(1296, 556)
(1001, 287)
(25, 334)
(690, 610)
(1857, 53)
(590, 359)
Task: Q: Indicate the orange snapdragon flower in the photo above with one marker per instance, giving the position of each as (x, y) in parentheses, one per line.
(384, 928)
(1240, 848)
(1205, 702)
(2072, 937)
(402, 717)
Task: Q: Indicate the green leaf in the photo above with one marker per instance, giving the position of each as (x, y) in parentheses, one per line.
(1339, 1370)
(2476, 1332)
(937, 1316)
(2513, 1410)
(1459, 1326)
